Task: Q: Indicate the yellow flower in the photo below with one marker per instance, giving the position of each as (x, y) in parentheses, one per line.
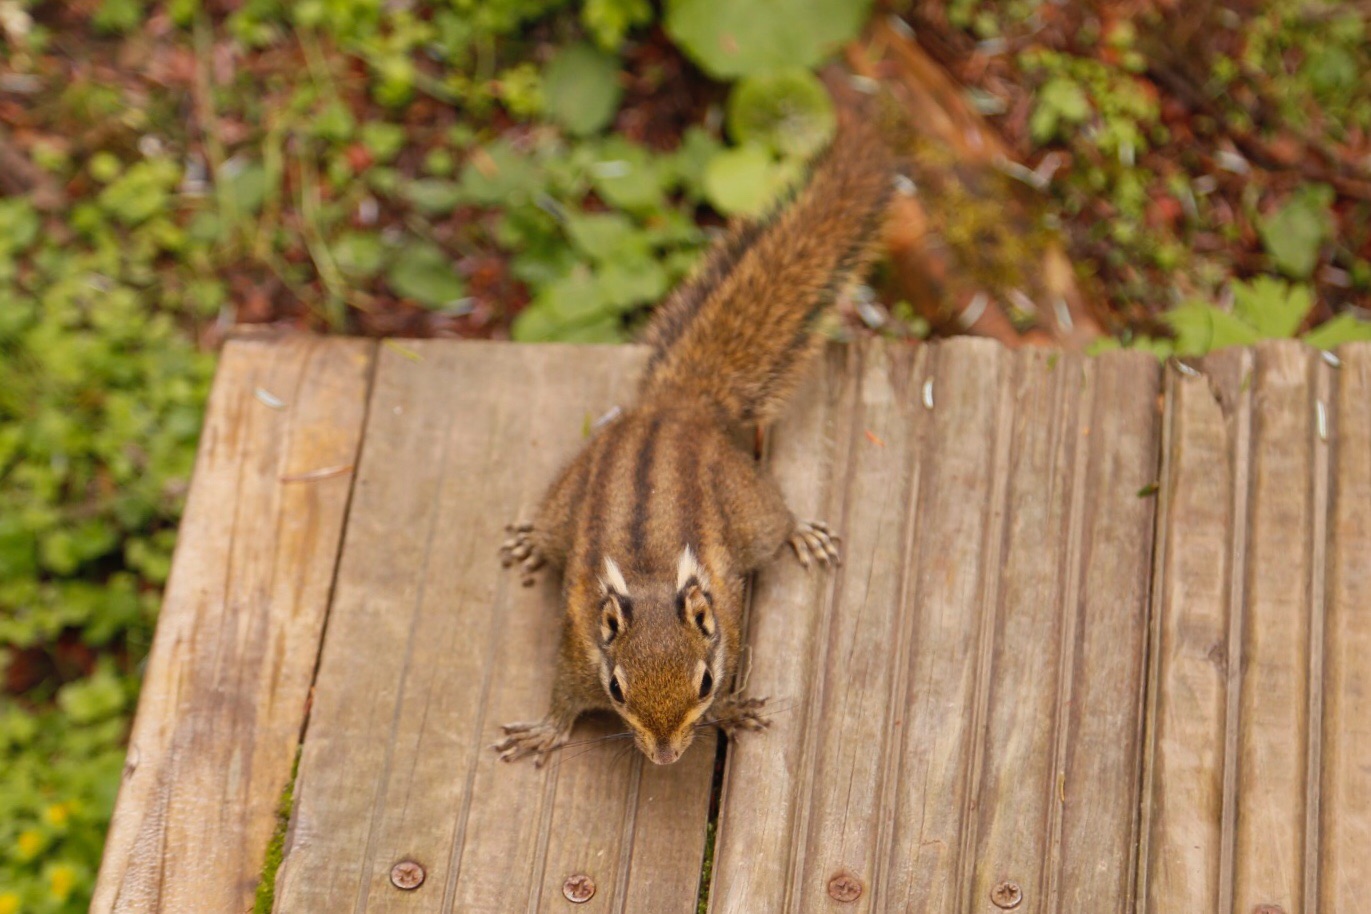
(9, 903)
(62, 879)
(30, 843)
(57, 814)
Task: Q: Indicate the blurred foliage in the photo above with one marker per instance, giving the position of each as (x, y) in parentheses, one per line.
(101, 393)
(545, 169)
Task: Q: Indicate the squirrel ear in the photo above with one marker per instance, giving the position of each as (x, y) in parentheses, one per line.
(693, 601)
(695, 606)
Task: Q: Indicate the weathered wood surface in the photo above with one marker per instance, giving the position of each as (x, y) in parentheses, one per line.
(964, 698)
(224, 698)
(1258, 792)
(431, 646)
(1100, 643)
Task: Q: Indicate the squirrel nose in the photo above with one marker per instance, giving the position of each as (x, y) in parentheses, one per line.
(665, 755)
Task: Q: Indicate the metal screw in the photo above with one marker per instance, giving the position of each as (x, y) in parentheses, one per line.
(1006, 895)
(1268, 909)
(845, 887)
(579, 888)
(407, 875)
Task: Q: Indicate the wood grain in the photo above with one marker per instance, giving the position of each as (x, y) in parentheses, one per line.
(1203, 487)
(224, 698)
(949, 679)
(1252, 678)
(1273, 748)
(431, 646)
(789, 618)
(1033, 666)
(1345, 829)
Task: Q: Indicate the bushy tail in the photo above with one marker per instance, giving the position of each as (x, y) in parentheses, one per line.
(740, 332)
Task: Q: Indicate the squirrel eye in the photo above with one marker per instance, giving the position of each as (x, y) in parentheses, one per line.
(706, 684)
(616, 691)
(613, 622)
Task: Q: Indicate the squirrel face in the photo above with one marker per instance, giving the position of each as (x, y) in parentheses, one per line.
(662, 655)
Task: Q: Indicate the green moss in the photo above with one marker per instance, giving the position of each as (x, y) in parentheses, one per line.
(266, 886)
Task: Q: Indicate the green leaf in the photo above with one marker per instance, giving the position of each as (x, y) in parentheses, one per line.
(1202, 328)
(789, 111)
(383, 140)
(692, 158)
(499, 175)
(602, 236)
(93, 698)
(729, 39)
(360, 255)
(622, 284)
(432, 196)
(609, 20)
(743, 181)
(1061, 100)
(1294, 233)
(1342, 329)
(424, 273)
(1275, 309)
(630, 178)
(581, 86)
(334, 123)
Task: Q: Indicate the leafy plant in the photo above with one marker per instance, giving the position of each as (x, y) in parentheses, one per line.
(729, 39)
(1264, 308)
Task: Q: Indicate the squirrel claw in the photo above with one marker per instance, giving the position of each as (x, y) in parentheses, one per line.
(536, 738)
(734, 714)
(812, 540)
(521, 549)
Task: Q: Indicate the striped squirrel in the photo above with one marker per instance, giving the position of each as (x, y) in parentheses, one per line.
(660, 519)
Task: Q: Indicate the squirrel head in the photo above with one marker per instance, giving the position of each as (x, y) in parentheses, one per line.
(662, 655)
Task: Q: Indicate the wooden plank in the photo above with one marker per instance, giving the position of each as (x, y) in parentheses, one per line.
(224, 698)
(790, 609)
(1241, 637)
(1203, 484)
(431, 646)
(1273, 747)
(1057, 797)
(1345, 831)
(957, 557)
(1099, 778)
(964, 671)
(853, 718)
(1026, 622)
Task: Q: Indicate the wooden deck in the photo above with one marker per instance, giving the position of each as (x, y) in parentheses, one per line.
(1101, 642)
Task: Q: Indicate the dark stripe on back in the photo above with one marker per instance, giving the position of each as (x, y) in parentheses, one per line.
(642, 491)
(688, 499)
(611, 442)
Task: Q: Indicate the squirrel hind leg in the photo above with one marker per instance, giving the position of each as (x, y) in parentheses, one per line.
(814, 542)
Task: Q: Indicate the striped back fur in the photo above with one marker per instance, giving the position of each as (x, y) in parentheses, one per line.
(740, 332)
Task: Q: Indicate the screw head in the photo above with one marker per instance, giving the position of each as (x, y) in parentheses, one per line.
(578, 888)
(407, 875)
(844, 887)
(1006, 895)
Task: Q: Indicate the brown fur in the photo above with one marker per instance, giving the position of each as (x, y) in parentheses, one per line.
(739, 333)
(658, 522)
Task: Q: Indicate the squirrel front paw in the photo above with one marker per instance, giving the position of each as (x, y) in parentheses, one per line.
(536, 738)
(812, 540)
(733, 713)
(520, 547)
